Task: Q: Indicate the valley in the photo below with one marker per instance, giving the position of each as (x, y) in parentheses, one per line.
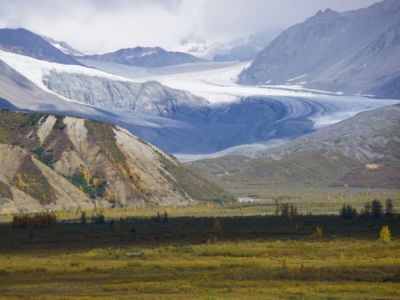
(199, 150)
(243, 257)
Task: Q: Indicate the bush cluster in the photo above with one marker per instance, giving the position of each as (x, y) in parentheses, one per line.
(94, 187)
(288, 211)
(41, 220)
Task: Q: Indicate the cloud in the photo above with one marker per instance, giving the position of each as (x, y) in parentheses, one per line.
(103, 25)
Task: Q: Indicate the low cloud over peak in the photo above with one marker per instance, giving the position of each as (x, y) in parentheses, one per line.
(102, 25)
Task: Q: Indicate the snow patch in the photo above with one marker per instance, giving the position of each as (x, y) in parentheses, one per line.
(298, 77)
(35, 69)
(147, 53)
(248, 150)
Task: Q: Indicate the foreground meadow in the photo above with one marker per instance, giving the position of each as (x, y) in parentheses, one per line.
(254, 257)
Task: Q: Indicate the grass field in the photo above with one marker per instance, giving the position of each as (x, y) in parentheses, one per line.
(246, 257)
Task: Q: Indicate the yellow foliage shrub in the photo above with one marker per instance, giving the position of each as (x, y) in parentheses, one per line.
(385, 235)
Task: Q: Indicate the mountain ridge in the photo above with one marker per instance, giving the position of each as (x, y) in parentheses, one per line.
(362, 151)
(63, 46)
(149, 57)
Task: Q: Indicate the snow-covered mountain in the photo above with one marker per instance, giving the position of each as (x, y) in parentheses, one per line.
(353, 52)
(240, 48)
(100, 89)
(25, 42)
(144, 57)
(216, 113)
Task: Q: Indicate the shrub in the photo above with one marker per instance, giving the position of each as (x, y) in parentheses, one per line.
(92, 186)
(217, 225)
(83, 219)
(165, 217)
(318, 233)
(385, 235)
(158, 217)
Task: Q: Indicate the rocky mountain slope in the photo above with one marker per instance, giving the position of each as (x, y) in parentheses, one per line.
(149, 57)
(361, 151)
(96, 88)
(60, 162)
(25, 42)
(353, 52)
(150, 98)
(63, 46)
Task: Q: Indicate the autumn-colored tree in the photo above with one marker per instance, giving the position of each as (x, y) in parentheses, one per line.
(385, 235)
(318, 233)
(85, 174)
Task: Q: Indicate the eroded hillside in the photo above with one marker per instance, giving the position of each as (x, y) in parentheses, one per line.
(60, 162)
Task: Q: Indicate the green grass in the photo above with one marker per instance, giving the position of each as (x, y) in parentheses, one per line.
(309, 169)
(250, 258)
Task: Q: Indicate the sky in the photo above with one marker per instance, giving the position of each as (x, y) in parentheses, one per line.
(99, 26)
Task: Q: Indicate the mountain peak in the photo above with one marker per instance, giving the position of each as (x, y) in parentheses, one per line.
(338, 52)
(327, 13)
(25, 42)
(149, 57)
